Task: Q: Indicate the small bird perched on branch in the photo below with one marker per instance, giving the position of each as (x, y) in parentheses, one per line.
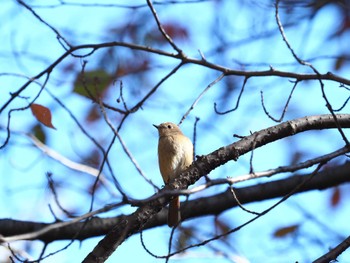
(175, 154)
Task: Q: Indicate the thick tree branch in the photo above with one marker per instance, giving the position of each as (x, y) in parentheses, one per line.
(211, 205)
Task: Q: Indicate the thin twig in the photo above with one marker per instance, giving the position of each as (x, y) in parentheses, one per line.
(237, 102)
(54, 192)
(121, 97)
(187, 60)
(201, 95)
(284, 108)
(284, 37)
(42, 86)
(92, 139)
(161, 29)
(239, 203)
(154, 89)
(195, 137)
(145, 247)
(253, 219)
(59, 36)
(343, 106)
(302, 62)
(247, 177)
(126, 150)
(69, 163)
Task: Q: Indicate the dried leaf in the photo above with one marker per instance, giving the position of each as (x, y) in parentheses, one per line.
(42, 114)
(284, 231)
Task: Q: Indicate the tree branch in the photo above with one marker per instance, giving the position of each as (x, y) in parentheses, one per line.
(184, 59)
(335, 252)
(211, 205)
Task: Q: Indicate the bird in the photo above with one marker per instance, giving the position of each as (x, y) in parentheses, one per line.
(175, 154)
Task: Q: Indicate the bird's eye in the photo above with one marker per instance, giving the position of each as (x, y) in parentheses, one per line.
(169, 126)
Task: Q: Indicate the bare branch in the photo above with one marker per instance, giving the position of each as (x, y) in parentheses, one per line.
(284, 37)
(58, 35)
(69, 163)
(284, 108)
(200, 96)
(140, 103)
(343, 106)
(227, 71)
(93, 140)
(161, 29)
(126, 150)
(238, 100)
(328, 105)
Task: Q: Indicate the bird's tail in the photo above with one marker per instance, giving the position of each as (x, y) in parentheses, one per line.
(174, 215)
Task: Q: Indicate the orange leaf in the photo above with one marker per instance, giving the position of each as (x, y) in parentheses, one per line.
(284, 231)
(42, 114)
(335, 198)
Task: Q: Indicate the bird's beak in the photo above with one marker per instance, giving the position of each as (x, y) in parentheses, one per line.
(155, 126)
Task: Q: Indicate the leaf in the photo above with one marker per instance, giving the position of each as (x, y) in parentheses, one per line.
(336, 196)
(184, 238)
(94, 114)
(221, 227)
(92, 84)
(39, 133)
(284, 231)
(42, 114)
(340, 62)
(93, 158)
(175, 31)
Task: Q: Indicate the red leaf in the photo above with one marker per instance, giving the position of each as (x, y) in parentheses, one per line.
(175, 30)
(94, 114)
(42, 114)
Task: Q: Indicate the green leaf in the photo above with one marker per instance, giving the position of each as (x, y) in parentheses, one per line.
(92, 84)
(38, 132)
